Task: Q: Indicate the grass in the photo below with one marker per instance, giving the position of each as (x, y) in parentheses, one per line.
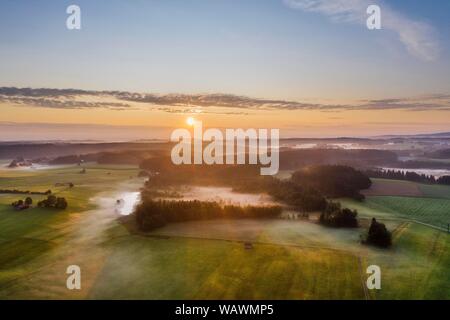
(202, 269)
(417, 266)
(435, 191)
(28, 235)
(290, 259)
(432, 211)
(431, 205)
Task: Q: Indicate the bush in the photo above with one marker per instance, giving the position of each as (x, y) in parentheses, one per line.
(22, 205)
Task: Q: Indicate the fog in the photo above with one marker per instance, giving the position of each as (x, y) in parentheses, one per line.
(127, 202)
(225, 195)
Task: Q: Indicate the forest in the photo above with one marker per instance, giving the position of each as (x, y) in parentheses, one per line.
(152, 214)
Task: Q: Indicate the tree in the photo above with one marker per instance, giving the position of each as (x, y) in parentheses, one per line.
(53, 202)
(334, 216)
(61, 203)
(28, 201)
(444, 180)
(379, 235)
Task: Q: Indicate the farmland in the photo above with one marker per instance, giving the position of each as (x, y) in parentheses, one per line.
(430, 206)
(203, 259)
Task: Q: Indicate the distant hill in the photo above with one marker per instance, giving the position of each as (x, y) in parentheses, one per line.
(439, 154)
(439, 135)
(52, 150)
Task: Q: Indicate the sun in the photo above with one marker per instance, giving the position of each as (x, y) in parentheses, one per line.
(190, 121)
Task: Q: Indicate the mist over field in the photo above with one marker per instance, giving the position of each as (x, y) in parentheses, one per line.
(204, 151)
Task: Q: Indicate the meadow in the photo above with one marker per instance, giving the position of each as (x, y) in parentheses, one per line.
(429, 204)
(204, 259)
(28, 236)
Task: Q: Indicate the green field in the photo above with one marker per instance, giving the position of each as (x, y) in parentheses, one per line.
(204, 259)
(435, 191)
(27, 237)
(202, 269)
(417, 266)
(432, 207)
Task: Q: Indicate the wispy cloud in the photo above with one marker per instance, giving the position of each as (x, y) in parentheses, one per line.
(58, 98)
(418, 37)
(202, 103)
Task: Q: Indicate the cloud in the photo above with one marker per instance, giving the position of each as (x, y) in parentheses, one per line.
(418, 37)
(57, 98)
(436, 102)
(226, 104)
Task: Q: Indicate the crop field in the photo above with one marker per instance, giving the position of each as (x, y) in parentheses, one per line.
(383, 187)
(426, 210)
(431, 207)
(435, 191)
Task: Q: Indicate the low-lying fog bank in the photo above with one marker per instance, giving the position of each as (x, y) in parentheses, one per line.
(225, 195)
(126, 203)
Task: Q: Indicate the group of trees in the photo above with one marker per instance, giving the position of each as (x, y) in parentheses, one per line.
(22, 204)
(53, 202)
(444, 180)
(164, 173)
(335, 216)
(151, 214)
(401, 175)
(295, 195)
(333, 180)
(50, 202)
(408, 176)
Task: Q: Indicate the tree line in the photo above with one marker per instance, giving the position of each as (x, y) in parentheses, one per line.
(152, 214)
(15, 191)
(408, 176)
(50, 202)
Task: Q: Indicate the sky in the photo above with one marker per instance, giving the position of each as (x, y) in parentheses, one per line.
(308, 67)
